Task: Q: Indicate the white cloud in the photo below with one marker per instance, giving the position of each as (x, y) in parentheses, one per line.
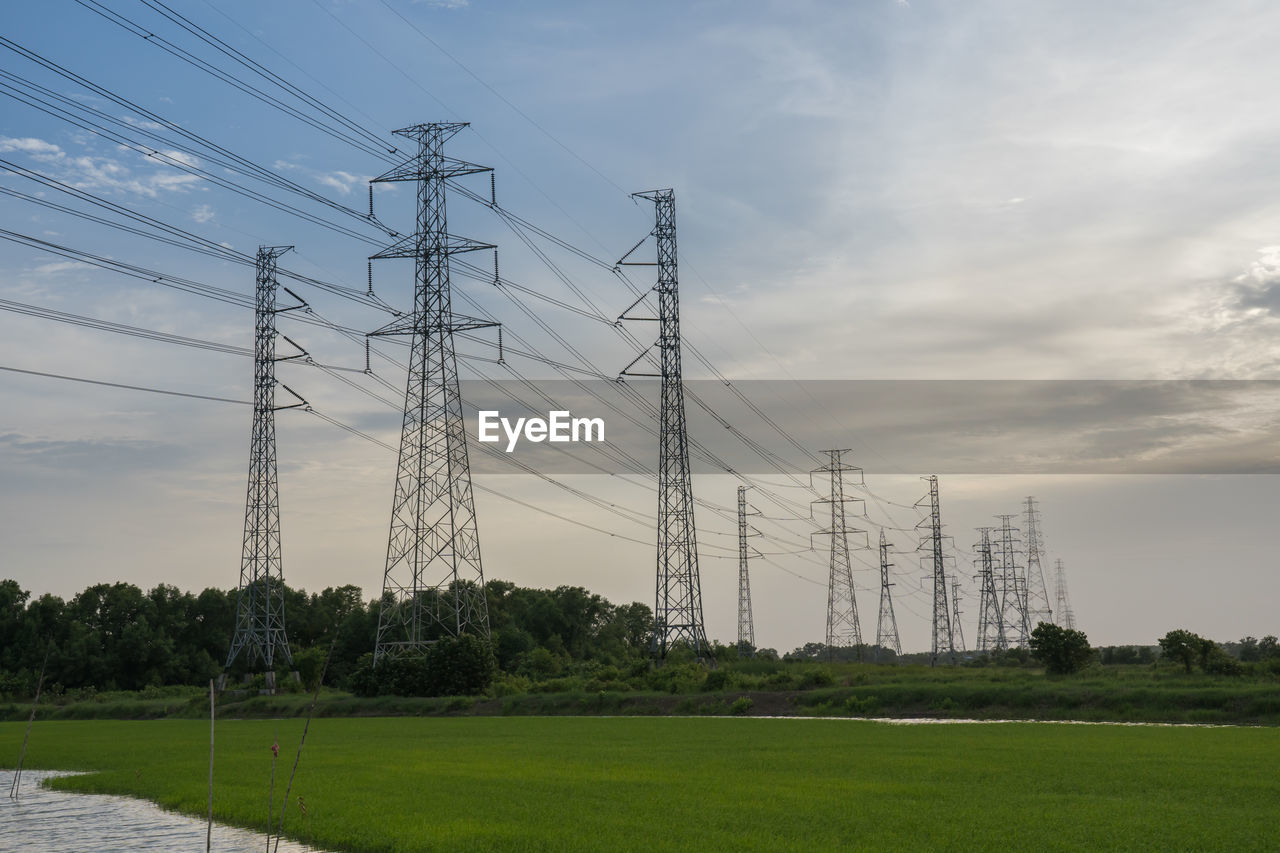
(29, 145)
(343, 182)
(60, 266)
(202, 214)
(183, 158)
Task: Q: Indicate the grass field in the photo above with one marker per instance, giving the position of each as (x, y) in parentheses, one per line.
(621, 784)
(1112, 693)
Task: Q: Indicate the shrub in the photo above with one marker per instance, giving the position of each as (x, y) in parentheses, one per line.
(816, 677)
(452, 666)
(717, 679)
(1061, 650)
(741, 705)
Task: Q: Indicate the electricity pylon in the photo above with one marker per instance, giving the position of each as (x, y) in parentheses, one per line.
(746, 625)
(433, 584)
(1066, 616)
(991, 635)
(677, 612)
(260, 631)
(843, 629)
(887, 624)
(931, 543)
(1038, 609)
(957, 631)
(1013, 586)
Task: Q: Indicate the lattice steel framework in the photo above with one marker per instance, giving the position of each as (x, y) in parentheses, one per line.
(843, 628)
(260, 630)
(1066, 616)
(931, 543)
(677, 612)
(887, 623)
(990, 622)
(745, 624)
(433, 585)
(1038, 608)
(1013, 585)
(957, 630)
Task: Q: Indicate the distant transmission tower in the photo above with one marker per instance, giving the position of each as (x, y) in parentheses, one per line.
(887, 624)
(843, 630)
(746, 626)
(259, 631)
(1066, 616)
(433, 584)
(677, 613)
(1038, 609)
(931, 544)
(957, 631)
(1013, 586)
(991, 635)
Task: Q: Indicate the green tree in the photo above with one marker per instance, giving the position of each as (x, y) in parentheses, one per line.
(1185, 647)
(1061, 650)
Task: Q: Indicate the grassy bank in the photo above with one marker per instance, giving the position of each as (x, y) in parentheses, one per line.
(1118, 694)
(561, 784)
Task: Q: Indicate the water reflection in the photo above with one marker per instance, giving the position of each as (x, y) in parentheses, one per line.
(61, 822)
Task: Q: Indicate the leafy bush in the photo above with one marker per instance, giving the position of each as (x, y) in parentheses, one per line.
(452, 666)
(862, 705)
(816, 677)
(717, 679)
(741, 705)
(1061, 650)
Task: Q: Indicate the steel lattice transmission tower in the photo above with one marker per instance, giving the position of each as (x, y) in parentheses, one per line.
(746, 625)
(887, 624)
(677, 612)
(991, 635)
(931, 543)
(1013, 586)
(434, 583)
(260, 631)
(843, 629)
(957, 631)
(1038, 609)
(1066, 616)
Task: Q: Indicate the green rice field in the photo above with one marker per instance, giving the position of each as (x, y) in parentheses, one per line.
(695, 784)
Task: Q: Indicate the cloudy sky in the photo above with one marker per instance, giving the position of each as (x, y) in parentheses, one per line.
(874, 191)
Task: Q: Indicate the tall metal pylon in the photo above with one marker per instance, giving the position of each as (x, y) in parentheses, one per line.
(887, 624)
(1066, 616)
(957, 630)
(746, 625)
(1013, 586)
(433, 584)
(991, 635)
(260, 630)
(843, 630)
(1038, 608)
(931, 543)
(677, 612)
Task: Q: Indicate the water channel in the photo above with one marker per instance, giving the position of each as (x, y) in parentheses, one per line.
(60, 822)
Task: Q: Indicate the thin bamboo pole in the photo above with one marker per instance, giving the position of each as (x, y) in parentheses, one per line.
(208, 835)
(22, 756)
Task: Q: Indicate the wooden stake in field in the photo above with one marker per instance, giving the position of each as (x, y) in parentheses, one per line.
(208, 835)
(17, 774)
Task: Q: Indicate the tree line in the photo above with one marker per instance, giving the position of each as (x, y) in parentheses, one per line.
(118, 637)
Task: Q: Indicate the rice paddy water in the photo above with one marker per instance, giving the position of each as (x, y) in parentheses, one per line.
(60, 822)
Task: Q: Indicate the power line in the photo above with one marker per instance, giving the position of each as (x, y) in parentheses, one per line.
(125, 386)
(186, 56)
